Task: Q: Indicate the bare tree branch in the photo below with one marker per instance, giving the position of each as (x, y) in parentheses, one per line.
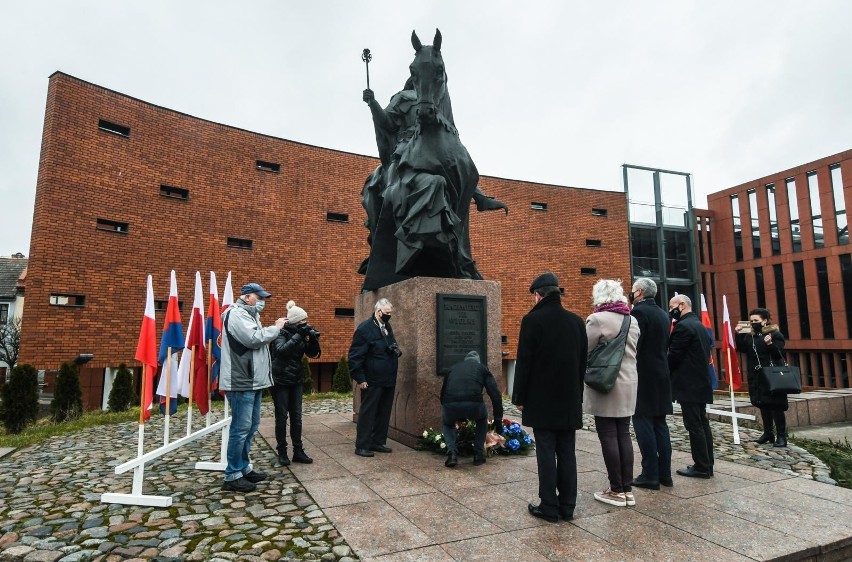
(10, 342)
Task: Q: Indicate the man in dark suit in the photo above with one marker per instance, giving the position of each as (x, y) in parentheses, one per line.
(689, 353)
(373, 364)
(548, 389)
(654, 394)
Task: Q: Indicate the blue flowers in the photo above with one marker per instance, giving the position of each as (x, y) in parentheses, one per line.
(513, 444)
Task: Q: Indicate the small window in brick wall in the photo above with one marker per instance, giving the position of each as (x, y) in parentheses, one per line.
(112, 226)
(591, 243)
(239, 243)
(114, 128)
(57, 299)
(588, 271)
(161, 306)
(561, 290)
(336, 217)
(174, 192)
(538, 206)
(504, 339)
(268, 166)
(344, 312)
(599, 212)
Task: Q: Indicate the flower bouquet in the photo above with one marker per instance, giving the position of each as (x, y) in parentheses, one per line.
(507, 438)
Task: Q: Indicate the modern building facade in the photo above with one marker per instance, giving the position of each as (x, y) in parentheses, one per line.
(126, 189)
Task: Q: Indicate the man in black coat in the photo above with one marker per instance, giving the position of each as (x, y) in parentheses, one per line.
(654, 394)
(548, 389)
(373, 364)
(689, 354)
(461, 398)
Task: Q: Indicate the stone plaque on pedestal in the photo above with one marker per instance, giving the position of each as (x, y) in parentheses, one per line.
(417, 402)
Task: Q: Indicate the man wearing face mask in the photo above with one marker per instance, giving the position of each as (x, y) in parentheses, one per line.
(244, 373)
(373, 361)
(689, 353)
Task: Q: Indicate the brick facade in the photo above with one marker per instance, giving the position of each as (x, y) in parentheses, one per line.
(87, 174)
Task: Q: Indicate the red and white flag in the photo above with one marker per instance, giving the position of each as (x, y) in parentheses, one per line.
(227, 294)
(729, 348)
(146, 352)
(195, 344)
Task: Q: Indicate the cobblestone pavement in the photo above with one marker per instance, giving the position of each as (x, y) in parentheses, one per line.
(50, 505)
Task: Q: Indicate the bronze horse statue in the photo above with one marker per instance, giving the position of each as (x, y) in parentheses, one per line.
(418, 200)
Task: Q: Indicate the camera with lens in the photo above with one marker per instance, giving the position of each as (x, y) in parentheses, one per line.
(308, 331)
(393, 349)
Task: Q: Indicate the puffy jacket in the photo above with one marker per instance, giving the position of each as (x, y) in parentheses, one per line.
(465, 381)
(370, 356)
(287, 351)
(758, 352)
(245, 349)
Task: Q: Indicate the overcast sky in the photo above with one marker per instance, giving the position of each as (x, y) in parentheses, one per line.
(553, 91)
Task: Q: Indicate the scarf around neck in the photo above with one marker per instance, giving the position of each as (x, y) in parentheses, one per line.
(617, 307)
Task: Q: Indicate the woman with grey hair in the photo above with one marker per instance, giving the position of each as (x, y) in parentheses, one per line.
(612, 410)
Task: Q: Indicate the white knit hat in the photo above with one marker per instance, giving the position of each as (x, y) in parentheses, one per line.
(295, 314)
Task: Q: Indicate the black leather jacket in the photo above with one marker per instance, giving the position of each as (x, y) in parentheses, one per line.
(287, 351)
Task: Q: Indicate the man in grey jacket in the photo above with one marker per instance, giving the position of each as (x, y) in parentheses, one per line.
(245, 372)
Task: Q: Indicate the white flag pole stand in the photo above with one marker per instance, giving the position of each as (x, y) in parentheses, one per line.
(223, 449)
(136, 497)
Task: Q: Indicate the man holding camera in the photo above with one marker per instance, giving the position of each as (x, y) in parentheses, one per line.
(373, 362)
(298, 338)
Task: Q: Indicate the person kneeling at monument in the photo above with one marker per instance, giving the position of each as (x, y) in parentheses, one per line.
(298, 338)
(461, 398)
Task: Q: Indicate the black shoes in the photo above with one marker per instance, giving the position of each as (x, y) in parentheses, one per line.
(283, 460)
(478, 459)
(690, 472)
(254, 476)
(299, 455)
(535, 511)
(780, 441)
(641, 482)
(765, 438)
(364, 453)
(566, 515)
(667, 482)
(239, 485)
(452, 460)
(381, 449)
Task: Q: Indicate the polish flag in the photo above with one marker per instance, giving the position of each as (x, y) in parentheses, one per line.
(146, 352)
(227, 295)
(195, 344)
(729, 348)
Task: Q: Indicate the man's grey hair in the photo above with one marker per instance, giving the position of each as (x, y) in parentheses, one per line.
(608, 290)
(684, 299)
(647, 286)
(382, 303)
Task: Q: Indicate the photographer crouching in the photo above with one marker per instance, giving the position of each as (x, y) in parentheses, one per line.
(298, 338)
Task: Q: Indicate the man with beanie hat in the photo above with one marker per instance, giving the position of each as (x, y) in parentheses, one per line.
(298, 338)
(461, 398)
(548, 389)
(244, 373)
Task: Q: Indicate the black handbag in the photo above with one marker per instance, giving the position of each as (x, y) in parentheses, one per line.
(779, 379)
(604, 360)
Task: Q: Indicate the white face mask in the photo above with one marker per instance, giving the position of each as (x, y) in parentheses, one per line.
(259, 305)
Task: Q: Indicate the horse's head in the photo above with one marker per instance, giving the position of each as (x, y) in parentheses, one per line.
(429, 78)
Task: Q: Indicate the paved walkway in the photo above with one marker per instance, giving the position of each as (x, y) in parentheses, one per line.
(405, 505)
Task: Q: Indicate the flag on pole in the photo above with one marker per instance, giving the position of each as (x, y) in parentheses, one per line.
(212, 329)
(729, 348)
(172, 338)
(227, 294)
(195, 344)
(705, 319)
(146, 352)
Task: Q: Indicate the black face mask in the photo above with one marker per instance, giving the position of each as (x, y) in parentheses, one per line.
(675, 313)
(385, 317)
(631, 297)
(757, 327)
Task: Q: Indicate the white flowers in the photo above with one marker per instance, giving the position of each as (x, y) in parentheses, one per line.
(426, 433)
(443, 445)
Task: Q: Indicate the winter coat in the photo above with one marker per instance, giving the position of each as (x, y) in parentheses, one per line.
(754, 347)
(620, 402)
(287, 351)
(689, 355)
(654, 395)
(245, 349)
(465, 381)
(551, 363)
(370, 358)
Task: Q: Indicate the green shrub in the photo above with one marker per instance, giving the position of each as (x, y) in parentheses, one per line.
(122, 395)
(67, 402)
(307, 378)
(342, 381)
(19, 405)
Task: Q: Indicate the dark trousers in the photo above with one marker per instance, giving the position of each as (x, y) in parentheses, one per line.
(776, 418)
(374, 416)
(617, 449)
(655, 445)
(557, 470)
(288, 401)
(453, 411)
(700, 437)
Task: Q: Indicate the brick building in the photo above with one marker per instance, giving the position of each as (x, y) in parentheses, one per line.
(782, 242)
(126, 188)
